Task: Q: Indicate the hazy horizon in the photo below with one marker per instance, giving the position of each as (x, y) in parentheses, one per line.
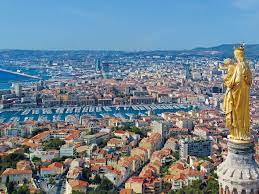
(3, 49)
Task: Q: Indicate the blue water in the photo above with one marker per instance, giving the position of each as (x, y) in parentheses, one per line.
(6, 79)
(5, 85)
(7, 116)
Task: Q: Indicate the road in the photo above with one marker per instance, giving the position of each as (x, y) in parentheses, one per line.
(58, 188)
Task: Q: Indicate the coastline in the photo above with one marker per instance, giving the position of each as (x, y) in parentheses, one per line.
(6, 79)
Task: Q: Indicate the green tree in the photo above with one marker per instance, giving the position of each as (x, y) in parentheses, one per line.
(164, 169)
(212, 186)
(97, 179)
(51, 181)
(120, 94)
(86, 173)
(10, 187)
(103, 143)
(199, 187)
(42, 192)
(39, 130)
(10, 160)
(167, 186)
(53, 144)
(133, 129)
(214, 175)
(77, 192)
(7, 180)
(26, 149)
(25, 181)
(63, 158)
(137, 130)
(36, 159)
(176, 155)
(56, 160)
(22, 190)
(102, 192)
(105, 185)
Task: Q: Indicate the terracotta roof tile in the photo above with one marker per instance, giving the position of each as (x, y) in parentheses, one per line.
(10, 171)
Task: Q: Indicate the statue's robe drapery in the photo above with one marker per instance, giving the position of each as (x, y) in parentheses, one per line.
(228, 99)
(236, 102)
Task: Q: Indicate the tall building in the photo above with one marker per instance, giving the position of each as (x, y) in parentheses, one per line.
(195, 147)
(17, 89)
(67, 150)
(187, 71)
(105, 70)
(98, 65)
(161, 127)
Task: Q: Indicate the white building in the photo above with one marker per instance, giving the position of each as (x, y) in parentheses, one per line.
(185, 123)
(67, 150)
(195, 147)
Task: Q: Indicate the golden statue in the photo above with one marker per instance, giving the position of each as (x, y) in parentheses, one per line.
(236, 101)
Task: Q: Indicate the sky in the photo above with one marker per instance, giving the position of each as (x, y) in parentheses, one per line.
(129, 25)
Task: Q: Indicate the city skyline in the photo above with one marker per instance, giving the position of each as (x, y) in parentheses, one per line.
(127, 97)
(131, 26)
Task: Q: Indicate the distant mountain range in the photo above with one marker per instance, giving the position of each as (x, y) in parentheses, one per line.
(224, 50)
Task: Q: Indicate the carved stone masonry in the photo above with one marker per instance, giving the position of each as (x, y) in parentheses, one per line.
(239, 173)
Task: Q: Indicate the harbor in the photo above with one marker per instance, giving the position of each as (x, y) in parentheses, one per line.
(64, 113)
(19, 73)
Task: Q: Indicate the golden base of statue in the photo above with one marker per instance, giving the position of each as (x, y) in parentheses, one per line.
(240, 141)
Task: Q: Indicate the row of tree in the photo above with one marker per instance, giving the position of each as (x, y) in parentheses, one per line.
(104, 184)
(55, 143)
(199, 187)
(10, 161)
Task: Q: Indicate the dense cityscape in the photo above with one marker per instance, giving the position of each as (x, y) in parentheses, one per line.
(114, 122)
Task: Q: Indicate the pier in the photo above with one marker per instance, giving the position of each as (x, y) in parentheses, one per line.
(60, 113)
(18, 73)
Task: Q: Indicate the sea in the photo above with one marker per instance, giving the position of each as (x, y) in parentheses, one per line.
(6, 79)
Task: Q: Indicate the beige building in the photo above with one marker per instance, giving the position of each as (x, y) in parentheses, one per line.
(136, 184)
(16, 175)
(76, 185)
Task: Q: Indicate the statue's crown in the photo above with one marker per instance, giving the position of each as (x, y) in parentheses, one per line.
(239, 47)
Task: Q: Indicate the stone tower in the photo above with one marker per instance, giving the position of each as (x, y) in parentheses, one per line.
(239, 173)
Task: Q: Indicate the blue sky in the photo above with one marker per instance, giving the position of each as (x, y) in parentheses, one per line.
(126, 24)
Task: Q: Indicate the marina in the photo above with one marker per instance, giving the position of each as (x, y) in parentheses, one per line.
(60, 113)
